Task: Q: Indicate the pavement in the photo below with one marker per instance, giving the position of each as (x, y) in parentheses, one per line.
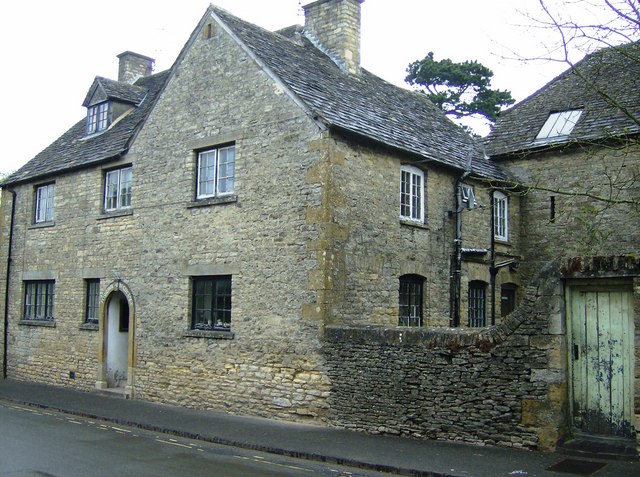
(395, 455)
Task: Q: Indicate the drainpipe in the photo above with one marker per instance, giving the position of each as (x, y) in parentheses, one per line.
(6, 289)
(493, 270)
(456, 256)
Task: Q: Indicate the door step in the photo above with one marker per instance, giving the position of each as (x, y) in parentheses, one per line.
(114, 392)
(601, 447)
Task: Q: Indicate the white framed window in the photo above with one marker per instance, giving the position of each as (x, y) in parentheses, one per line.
(412, 193)
(216, 172)
(559, 124)
(117, 189)
(500, 216)
(98, 118)
(44, 203)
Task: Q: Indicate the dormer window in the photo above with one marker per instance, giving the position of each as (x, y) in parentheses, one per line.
(98, 118)
(559, 125)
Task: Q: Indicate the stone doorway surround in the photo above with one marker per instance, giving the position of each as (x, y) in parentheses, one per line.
(114, 288)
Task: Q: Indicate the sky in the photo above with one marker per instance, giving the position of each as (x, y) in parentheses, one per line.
(52, 50)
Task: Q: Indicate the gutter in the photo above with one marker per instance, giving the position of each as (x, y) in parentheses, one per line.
(6, 289)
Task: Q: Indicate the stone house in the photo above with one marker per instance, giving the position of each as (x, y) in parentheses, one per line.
(267, 228)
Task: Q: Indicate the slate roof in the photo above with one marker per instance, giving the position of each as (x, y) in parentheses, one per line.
(74, 149)
(116, 90)
(362, 105)
(602, 84)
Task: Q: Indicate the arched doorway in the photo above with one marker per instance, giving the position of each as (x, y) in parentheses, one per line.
(115, 356)
(117, 340)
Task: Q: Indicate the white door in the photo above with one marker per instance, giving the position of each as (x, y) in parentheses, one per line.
(601, 357)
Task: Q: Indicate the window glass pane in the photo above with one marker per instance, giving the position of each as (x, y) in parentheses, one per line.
(125, 187)
(559, 124)
(103, 116)
(111, 190)
(206, 173)
(226, 170)
(92, 120)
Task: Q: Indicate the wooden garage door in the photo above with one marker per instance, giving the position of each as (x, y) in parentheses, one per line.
(601, 348)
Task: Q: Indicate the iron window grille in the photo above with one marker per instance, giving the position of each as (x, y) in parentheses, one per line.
(477, 304)
(411, 287)
(92, 308)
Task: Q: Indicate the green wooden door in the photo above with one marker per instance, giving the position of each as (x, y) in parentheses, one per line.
(601, 348)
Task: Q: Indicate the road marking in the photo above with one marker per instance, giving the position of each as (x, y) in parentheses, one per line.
(173, 443)
(262, 460)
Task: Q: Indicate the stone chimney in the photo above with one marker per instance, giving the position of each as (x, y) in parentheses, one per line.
(334, 27)
(134, 66)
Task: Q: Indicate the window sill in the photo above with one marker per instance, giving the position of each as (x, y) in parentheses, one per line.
(230, 199)
(43, 323)
(213, 335)
(90, 326)
(414, 223)
(42, 225)
(502, 242)
(115, 213)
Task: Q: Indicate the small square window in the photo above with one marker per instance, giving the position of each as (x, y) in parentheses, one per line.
(38, 300)
(44, 204)
(216, 172)
(211, 305)
(117, 189)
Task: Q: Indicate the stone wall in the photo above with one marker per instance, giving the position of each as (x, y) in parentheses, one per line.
(502, 386)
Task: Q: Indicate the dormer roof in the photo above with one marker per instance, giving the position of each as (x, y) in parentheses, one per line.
(75, 150)
(103, 89)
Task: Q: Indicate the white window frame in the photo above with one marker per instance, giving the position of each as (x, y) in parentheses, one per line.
(117, 189)
(412, 192)
(216, 172)
(559, 124)
(98, 118)
(44, 206)
(500, 216)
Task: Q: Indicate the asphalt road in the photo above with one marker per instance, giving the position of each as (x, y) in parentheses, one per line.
(35, 442)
